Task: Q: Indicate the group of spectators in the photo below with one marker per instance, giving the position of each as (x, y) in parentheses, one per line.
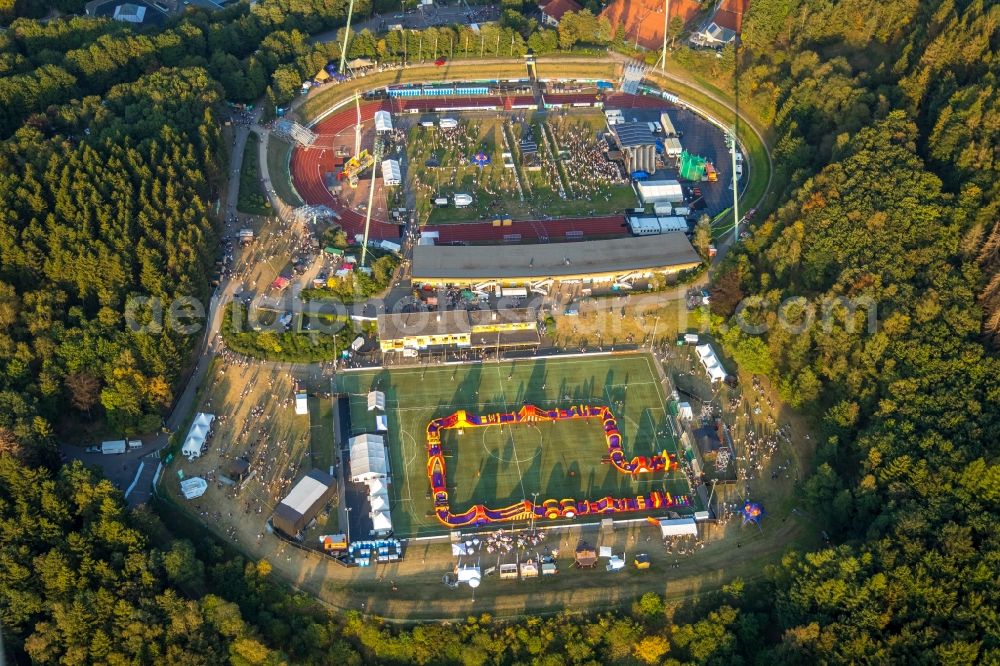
(588, 167)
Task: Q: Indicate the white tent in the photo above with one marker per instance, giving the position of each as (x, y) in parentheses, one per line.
(379, 502)
(604, 551)
(381, 522)
(381, 423)
(656, 191)
(195, 440)
(383, 122)
(368, 458)
(391, 174)
(194, 487)
(467, 574)
(301, 404)
(710, 360)
(616, 563)
(376, 400)
(678, 527)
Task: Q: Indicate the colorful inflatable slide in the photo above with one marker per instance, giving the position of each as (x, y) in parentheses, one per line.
(550, 508)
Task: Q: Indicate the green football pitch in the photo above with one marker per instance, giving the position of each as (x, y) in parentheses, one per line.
(498, 466)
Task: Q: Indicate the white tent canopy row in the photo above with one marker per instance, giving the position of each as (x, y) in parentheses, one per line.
(710, 360)
(194, 443)
(368, 459)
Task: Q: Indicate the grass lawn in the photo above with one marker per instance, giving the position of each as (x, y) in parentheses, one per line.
(279, 152)
(499, 466)
(252, 199)
(494, 188)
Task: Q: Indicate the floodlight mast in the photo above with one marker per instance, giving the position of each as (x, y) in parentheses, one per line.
(371, 198)
(736, 191)
(666, 27)
(347, 36)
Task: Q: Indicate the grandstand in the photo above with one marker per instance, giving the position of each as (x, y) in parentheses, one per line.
(294, 131)
(313, 213)
(632, 77)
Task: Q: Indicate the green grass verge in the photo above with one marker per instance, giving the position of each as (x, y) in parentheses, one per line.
(497, 466)
(252, 199)
(274, 343)
(279, 153)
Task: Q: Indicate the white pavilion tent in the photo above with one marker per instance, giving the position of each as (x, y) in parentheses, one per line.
(368, 458)
(376, 400)
(383, 122)
(710, 360)
(195, 440)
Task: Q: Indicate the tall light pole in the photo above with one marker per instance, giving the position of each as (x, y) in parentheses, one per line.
(534, 501)
(347, 36)
(666, 27)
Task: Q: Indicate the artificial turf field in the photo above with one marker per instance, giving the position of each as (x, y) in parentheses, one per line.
(500, 466)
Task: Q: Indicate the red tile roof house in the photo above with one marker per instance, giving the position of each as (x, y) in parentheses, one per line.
(553, 10)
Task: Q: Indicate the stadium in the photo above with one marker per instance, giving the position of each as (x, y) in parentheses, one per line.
(521, 198)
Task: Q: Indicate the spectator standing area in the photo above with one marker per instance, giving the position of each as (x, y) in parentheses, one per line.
(502, 465)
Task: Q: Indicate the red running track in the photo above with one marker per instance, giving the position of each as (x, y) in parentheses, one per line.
(308, 165)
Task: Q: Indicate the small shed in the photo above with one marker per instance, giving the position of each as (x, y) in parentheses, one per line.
(382, 423)
(585, 557)
(376, 400)
(237, 469)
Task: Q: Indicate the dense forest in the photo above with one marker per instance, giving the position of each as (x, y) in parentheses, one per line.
(886, 126)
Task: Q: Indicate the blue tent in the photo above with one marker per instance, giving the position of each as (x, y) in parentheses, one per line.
(604, 85)
(640, 175)
(480, 159)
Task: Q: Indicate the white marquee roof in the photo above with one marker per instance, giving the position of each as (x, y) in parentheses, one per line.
(197, 435)
(368, 456)
(383, 121)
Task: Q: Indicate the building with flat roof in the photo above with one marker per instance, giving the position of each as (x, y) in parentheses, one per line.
(476, 329)
(306, 499)
(638, 146)
(533, 265)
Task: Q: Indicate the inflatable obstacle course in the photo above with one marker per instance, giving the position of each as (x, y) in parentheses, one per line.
(550, 508)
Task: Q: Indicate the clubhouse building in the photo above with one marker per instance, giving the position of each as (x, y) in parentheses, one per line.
(515, 328)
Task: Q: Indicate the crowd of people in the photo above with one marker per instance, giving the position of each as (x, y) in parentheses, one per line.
(584, 158)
